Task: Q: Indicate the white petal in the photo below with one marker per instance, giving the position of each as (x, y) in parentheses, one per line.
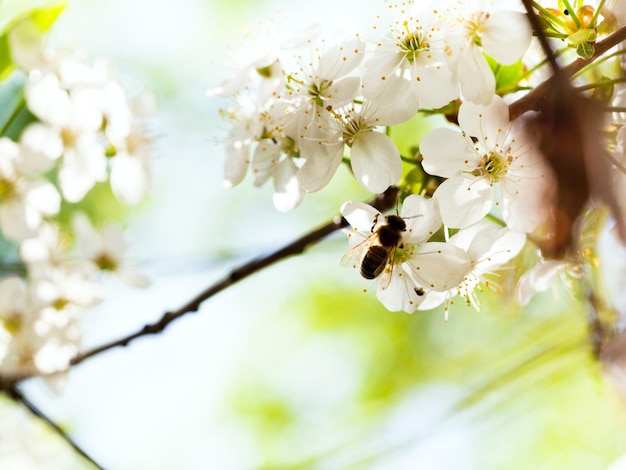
(433, 299)
(75, 177)
(488, 123)
(464, 200)
(506, 36)
(506, 246)
(44, 197)
(231, 85)
(488, 244)
(48, 101)
(375, 161)
(18, 221)
(341, 59)
(264, 161)
(129, 179)
(439, 266)
(398, 292)
(478, 83)
(342, 92)
(538, 279)
(380, 81)
(434, 86)
(319, 167)
(41, 145)
(236, 163)
(422, 218)
(287, 192)
(447, 153)
(12, 294)
(523, 211)
(359, 215)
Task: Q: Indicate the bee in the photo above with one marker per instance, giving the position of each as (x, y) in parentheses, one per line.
(380, 247)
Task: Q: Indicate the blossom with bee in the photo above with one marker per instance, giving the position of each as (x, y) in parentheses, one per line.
(414, 265)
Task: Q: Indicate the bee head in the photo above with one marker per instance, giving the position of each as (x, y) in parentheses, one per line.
(396, 222)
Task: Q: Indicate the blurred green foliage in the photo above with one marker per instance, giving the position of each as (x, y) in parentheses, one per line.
(525, 380)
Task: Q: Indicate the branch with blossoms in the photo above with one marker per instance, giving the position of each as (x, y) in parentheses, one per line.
(297, 129)
(296, 120)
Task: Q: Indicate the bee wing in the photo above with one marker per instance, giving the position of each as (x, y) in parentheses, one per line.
(359, 245)
(388, 272)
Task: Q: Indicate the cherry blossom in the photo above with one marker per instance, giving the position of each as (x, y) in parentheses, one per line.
(488, 248)
(502, 34)
(24, 199)
(416, 265)
(503, 158)
(410, 65)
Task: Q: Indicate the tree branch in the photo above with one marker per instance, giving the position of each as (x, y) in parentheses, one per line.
(18, 396)
(382, 202)
(533, 100)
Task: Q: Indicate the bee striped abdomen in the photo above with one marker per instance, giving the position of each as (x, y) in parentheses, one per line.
(374, 261)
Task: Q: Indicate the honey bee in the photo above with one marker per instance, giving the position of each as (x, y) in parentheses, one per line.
(380, 247)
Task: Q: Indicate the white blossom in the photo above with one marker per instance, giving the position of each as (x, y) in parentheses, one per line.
(24, 199)
(374, 157)
(503, 157)
(259, 56)
(409, 66)
(502, 34)
(106, 250)
(416, 265)
(488, 248)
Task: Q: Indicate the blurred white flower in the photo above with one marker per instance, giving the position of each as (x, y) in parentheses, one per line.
(260, 55)
(75, 117)
(106, 250)
(545, 275)
(24, 199)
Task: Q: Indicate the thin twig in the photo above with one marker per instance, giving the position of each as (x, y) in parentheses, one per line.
(18, 396)
(532, 101)
(543, 40)
(382, 202)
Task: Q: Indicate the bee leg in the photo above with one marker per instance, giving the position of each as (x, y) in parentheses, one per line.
(375, 222)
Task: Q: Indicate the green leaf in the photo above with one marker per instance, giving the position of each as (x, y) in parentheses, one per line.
(42, 12)
(6, 65)
(408, 134)
(507, 76)
(11, 101)
(585, 50)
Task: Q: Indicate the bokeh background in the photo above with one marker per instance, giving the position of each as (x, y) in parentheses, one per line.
(296, 367)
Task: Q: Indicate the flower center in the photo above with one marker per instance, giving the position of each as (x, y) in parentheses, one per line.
(413, 43)
(106, 262)
(317, 91)
(13, 323)
(60, 303)
(493, 166)
(475, 27)
(7, 189)
(352, 127)
(69, 137)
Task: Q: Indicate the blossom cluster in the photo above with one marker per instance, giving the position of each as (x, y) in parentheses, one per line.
(81, 131)
(484, 184)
